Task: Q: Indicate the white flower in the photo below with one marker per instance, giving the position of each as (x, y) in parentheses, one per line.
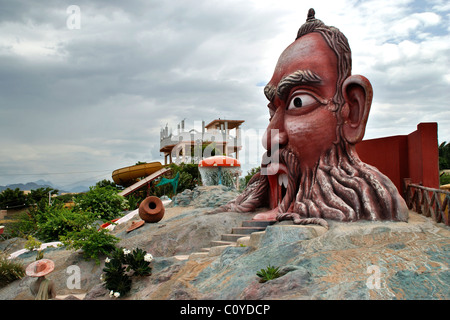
(116, 294)
(107, 260)
(102, 277)
(111, 293)
(148, 257)
(125, 251)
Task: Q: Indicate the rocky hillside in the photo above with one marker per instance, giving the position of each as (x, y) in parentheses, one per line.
(363, 260)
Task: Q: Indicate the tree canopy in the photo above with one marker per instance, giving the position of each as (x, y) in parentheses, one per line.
(444, 155)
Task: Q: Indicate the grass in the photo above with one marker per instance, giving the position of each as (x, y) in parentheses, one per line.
(10, 270)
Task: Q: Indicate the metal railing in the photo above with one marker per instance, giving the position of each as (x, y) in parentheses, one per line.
(429, 202)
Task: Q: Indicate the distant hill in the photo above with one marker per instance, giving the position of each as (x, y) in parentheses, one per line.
(43, 184)
(26, 186)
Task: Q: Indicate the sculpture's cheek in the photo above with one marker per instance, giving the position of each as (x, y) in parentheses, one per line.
(311, 135)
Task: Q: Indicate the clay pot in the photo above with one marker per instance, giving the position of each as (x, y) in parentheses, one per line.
(151, 209)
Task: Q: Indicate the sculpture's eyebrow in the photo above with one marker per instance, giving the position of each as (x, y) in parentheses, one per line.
(299, 77)
(269, 91)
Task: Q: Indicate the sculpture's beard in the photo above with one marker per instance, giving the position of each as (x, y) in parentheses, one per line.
(339, 187)
(283, 177)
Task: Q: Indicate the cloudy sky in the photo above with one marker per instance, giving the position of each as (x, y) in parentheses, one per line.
(83, 95)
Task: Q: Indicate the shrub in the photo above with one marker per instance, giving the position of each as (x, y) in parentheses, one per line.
(138, 261)
(269, 273)
(10, 198)
(117, 275)
(37, 195)
(104, 202)
(48, 223)
(189, 177)
(23, 225)
(444, 179)
(244, 181)
(33, 244)
(10, 271)
(55, 221)
(135, 199)
(93, 242)
(116, 280)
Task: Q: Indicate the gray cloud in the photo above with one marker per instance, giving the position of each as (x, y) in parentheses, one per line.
(94, 99)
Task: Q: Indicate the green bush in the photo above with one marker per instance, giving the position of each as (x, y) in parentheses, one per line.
(10, 198)
(444, 155)
(48, 223)
(68, 197)
(269, 273)
(22, 226)
(139, 262)
(93, 242)
(117, 275)
(116, 280)
(444, 179)
(189, 176)
(244, 181)
(34, 244)
(135, 199)
(104, 202)
(10, 270)
(55, 221)
(37, 195)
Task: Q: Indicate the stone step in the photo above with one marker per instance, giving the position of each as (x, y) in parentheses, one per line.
(232, 237)
(196, 255)
(182, 257)
(258, 223)
(248, 227)
(247, 230)
(221, 243)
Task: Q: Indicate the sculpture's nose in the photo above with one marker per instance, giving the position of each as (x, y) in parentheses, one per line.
(275, 136)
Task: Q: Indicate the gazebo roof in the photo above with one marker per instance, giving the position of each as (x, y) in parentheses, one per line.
(231, 123)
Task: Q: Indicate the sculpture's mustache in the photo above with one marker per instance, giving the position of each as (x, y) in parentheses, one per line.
(285, 157)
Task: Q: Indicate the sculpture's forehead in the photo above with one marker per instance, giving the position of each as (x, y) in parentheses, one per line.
(309, 52)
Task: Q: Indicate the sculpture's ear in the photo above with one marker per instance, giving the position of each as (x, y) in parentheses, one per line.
(357, 92)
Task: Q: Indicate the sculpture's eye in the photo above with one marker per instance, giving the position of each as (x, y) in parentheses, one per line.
(298, 102)
(301, 100)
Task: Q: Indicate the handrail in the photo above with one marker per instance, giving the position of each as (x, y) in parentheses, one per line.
(427, 201)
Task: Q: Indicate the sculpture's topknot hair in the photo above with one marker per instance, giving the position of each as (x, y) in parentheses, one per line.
(311, 15)
(310, 25)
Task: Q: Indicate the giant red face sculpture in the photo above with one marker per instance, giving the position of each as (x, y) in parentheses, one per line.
(318, 112)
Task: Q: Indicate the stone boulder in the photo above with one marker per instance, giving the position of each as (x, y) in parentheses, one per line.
(361, 260)
(205, 196)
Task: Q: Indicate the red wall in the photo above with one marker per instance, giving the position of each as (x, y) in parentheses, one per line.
(412, 156)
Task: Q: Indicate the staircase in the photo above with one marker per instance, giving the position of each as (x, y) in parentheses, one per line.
(230, 239)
